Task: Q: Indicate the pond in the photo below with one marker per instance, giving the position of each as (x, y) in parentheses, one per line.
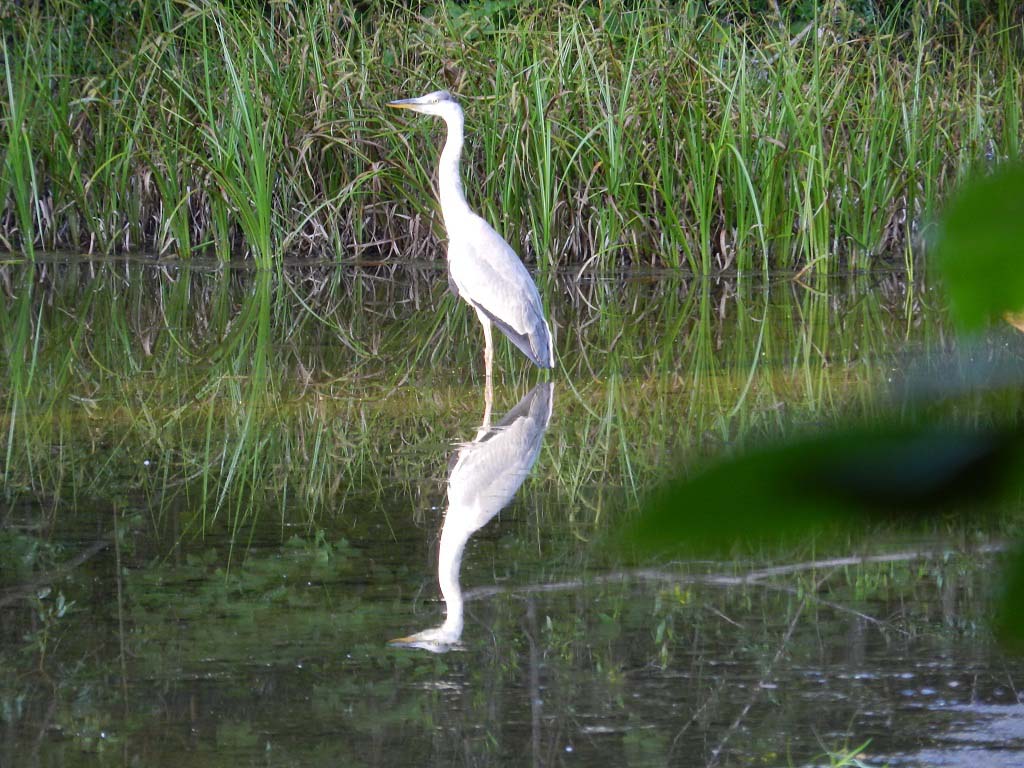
(228, 494)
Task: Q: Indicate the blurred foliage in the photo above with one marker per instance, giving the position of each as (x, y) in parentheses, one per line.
(1010, 618)
(980, 251)
(838, 481)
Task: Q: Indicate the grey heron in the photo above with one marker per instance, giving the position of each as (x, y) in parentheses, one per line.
(483, 269)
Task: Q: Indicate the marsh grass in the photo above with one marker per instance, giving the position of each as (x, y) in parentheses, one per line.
(598, 136)
(19, 180)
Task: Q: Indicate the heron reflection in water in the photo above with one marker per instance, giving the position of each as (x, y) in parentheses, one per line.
(485, 476)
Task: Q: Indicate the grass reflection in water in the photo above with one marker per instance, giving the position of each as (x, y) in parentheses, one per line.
(241, 388)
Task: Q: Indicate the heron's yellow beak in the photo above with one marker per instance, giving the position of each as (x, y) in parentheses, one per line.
(402, 103)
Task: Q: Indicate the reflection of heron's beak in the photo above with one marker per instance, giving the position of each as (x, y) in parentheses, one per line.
(419, 642)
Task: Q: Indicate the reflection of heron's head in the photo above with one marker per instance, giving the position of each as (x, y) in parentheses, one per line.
(436, 640)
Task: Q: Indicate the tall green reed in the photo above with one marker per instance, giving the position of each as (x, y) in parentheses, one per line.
(544, 200)
(241, 135)
(19, 177)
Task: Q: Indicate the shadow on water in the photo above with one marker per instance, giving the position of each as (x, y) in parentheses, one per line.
(222, 492)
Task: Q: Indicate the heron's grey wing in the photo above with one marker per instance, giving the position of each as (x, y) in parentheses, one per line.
(490, 276)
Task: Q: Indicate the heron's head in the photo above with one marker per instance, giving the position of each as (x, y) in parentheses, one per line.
(440, 103)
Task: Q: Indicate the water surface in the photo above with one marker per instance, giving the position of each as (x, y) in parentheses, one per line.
(224, 493)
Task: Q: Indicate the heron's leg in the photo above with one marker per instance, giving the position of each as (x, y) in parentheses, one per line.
(488, 370)
(488, 348)
(488, 361)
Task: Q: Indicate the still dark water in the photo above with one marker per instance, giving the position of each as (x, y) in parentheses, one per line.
(159, 610)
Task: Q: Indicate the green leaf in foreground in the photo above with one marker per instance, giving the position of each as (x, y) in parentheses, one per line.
(841, 480)
(981, 248)
(1009, 622)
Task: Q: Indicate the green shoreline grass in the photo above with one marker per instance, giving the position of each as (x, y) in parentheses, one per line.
(599, 136)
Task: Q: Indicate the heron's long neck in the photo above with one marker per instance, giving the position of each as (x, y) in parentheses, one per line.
(449, 561)
(449, 184)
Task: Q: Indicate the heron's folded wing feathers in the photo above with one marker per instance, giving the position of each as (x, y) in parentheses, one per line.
(490, 276)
